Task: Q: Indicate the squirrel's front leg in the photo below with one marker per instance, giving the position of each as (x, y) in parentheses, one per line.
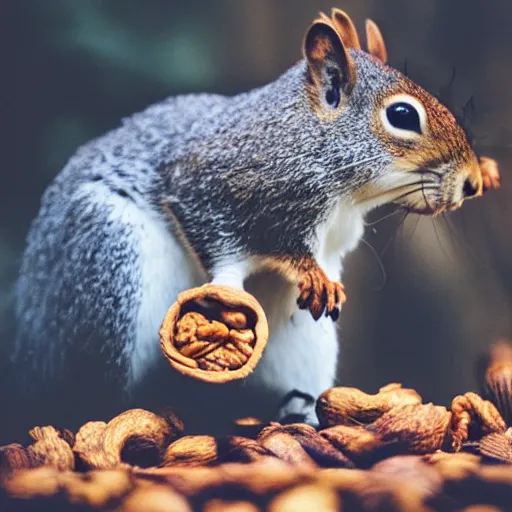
(316, 292)
(232, 272)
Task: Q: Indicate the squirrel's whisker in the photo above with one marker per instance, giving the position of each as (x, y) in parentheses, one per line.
(384, 217)
(432, 186)
(439, 174)
(379, 261)
(414, 191)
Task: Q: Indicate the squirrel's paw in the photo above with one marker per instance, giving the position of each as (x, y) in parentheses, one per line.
(319, 294)
(490, 173)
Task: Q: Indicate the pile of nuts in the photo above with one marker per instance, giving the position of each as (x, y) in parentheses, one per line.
(387, 451)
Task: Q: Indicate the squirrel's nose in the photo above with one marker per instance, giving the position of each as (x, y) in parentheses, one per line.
(469, 190)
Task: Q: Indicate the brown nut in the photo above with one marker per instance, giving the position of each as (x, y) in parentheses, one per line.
(96, 488)
(32, 483)
(191, 451)
(453, 466)
(154, 498)
(488, 483)
(241, 449)
(317, 447)
(189, 481)
(88, 446)
(306, 498)
(283, 445)
(350, 406)
(137, 437)
(413, 470)
(473, 417)
(50, 449)
(359, 445)
(414, 429)
(497, 446)
(498, 378)
(214, 333)
(266, 475)
(13, 457)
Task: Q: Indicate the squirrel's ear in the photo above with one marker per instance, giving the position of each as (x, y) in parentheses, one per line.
(346, 29)
(330, 68)
(375, 41)
(323, 17)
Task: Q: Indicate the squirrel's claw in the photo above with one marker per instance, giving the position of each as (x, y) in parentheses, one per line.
(335, 314)
(318, 294)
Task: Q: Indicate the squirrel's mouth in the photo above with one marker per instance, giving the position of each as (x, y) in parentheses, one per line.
(437, 191)
(422, 195)
(431, 200)
(420, 204)
(423, 191)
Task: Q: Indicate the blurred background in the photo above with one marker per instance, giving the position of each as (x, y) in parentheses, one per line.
(426, 296)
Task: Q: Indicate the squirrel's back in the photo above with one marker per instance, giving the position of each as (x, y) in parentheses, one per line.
(81, 274)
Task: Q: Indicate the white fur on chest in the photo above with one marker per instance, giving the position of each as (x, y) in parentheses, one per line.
(302, 353)
(338, 236)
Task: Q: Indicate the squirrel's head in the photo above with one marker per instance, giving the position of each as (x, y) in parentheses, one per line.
(415, 152)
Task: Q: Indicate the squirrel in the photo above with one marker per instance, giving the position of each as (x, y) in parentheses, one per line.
(265, 190)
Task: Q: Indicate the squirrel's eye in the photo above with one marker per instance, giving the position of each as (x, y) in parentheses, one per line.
(404, 117)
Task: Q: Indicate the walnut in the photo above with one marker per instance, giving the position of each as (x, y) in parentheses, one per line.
(214, 333)
(50, 449)
(473, 417)
(350, 406)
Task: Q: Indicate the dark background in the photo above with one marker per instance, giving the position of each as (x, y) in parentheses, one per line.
(426, 297)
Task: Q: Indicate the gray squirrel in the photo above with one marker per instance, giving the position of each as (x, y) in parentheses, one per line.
(266, 191)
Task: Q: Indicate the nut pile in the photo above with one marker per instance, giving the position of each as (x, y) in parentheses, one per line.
(383, 452)
(214, 333)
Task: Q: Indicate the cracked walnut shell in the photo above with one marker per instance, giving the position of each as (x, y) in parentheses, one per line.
(214, 333)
